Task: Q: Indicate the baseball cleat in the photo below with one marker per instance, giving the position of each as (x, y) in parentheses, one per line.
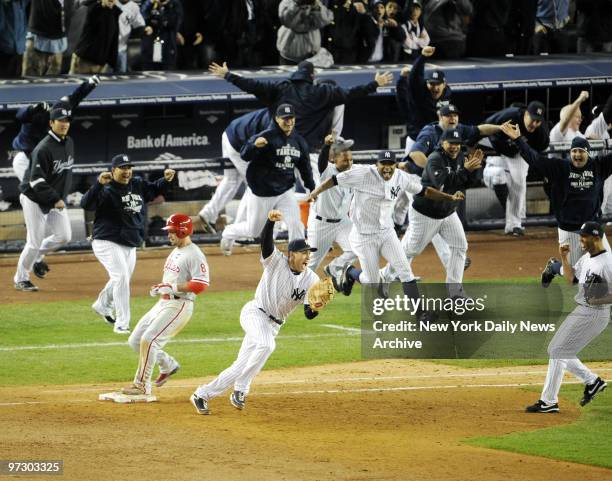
(40, 269)
(121, 330)
(467, 263)
(347, 281)
(164, 376)
(327, 271)
(105, 316)
(425, 317)
(25, 286)
(135, 389)
(542, 407)
(200, 404)
(237, 399)
(207, 226)
(383, 287)
(517, 232)
(548, 274)
(226, 246)
(590, 390)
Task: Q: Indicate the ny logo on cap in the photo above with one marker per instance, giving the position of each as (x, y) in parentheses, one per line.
(387, 155)
(287, 110)
(125, 158)
(65, 112)
(539, 111)
(456, 134)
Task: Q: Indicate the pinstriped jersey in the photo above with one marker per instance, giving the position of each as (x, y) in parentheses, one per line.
(186, 264)
(600, 264)
(335, 202)
(374, 197)
(280, 290)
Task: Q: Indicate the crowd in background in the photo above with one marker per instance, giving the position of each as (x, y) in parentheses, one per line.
(48, 37)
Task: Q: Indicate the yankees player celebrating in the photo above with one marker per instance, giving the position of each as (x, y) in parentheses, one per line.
(272, 156)
(118, 200)
(329, 221)
(584, 323)
(448, 170)
(376, 187)
(575, 192)
(282, 287)
(507, 174)
(45, 185)
(186, 275)
(237, 133)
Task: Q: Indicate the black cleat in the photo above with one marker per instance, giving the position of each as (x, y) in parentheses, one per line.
(518, 232)
(590, 390)
(25, 286)
(237, 399)
(542, 407)
(40, 269)
(327, 271)
(347, 281)
(548, 274)
(200, 404)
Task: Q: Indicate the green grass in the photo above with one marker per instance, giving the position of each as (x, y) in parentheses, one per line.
(587, 441)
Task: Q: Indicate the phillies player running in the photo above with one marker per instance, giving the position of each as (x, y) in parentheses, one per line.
(186, 274)
(282, 287)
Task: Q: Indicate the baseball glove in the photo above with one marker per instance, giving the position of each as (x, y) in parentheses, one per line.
(595, 287)
(321, 293)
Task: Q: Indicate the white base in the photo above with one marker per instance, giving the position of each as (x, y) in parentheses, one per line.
(119, 397)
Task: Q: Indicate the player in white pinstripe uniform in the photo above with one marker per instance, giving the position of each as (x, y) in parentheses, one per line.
(186, 275)
(587, 321)
(282, 288)
(375, 188)
(448, 171)
(329, 221)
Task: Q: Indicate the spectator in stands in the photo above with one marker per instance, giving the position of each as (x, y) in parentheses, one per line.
(159, 45)
(130, 20)
(384, 34)
(394, 35)
(487, 35)
(594, 18)
(551, 36)
(98, 44)
(374, 32)
(599, 129)
(570, 119)
(420, 96)
(509, 169)
(46, 39)
(299, 37)
(416, 34)
(191, 54)
(447, 22)
(521, 27)
(342, 37)
(13, 27)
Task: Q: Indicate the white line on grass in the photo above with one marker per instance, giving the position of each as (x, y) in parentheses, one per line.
(341, 328)
(177, 341)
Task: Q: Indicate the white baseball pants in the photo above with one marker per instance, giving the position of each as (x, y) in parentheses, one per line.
(421, 231)
(257, 215)
(258, 344)
(369, 248)
(153, 331)
(119, 262)
(322, 235)
(579, 328)
(231, 182)
(37, 246)
(21, 162)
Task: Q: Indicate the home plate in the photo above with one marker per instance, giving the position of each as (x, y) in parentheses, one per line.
(119, 397)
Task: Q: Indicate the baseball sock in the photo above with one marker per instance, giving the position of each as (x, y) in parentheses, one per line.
(556, 267)
(354, 273)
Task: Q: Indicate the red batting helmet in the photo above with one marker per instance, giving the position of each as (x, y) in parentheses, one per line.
(180, 224)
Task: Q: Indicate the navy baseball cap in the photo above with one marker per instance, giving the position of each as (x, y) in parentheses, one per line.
(340, 145)
(448, 109)
(386, 157)
(592, 228)
(300, 245)
(580, 143)
(536, 110)
(435, 76)
(60, 113)
(452, 135)
(285, 111)
(121, 160)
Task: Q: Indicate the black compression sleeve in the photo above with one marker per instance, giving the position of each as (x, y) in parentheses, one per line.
(267, 239)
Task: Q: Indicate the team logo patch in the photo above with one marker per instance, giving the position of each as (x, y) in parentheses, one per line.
(297, 294)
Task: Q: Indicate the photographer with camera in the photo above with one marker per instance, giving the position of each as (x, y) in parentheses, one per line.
(159, 45)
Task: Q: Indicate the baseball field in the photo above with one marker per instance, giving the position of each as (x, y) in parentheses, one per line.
(316, 412)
